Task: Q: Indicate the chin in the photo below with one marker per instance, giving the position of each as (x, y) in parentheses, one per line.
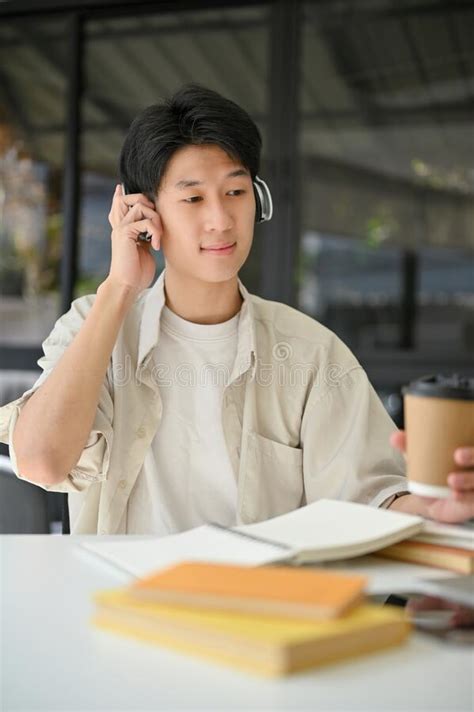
(217, 275)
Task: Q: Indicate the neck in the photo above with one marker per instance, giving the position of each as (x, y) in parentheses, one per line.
(202, 302)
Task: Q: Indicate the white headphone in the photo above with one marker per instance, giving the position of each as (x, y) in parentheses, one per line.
(263, 200)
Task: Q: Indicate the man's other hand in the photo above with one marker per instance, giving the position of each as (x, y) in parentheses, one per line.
(459, 505)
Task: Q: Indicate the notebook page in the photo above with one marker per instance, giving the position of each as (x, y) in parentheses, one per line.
(143, 556)
(461, 535)
(337, 528)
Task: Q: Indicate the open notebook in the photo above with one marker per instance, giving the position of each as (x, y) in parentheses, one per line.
(325, 530)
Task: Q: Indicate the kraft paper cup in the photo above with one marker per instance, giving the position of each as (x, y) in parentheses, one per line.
(439, 417)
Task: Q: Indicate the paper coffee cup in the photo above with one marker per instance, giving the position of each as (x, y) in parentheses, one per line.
(439, 417)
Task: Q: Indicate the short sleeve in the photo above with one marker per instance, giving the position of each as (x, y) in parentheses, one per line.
(346, 450)
(93, 463)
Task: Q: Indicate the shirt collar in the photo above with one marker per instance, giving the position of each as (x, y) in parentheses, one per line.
(150, 329)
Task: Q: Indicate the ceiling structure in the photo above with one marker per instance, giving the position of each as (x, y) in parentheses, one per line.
(386, 88)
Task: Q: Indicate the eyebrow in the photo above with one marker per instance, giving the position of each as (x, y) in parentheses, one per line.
(181, 184)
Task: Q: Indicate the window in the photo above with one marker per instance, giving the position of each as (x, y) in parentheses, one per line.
(387, 239)
(32, 124)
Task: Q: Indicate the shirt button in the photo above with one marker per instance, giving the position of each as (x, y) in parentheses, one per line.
(141, 432)
(122, 484)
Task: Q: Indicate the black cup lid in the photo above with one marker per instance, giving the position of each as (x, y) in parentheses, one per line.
(441, 386)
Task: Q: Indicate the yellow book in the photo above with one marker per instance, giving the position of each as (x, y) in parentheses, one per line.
(266, 646)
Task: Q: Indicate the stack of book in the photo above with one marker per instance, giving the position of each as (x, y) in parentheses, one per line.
(445, 546)
(270, 620)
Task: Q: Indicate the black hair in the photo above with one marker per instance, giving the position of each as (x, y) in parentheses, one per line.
(194, 115)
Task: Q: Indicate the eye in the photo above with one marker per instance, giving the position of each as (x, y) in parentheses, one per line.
(195, 198)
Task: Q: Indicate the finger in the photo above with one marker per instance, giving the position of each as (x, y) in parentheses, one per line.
(452, 509)
(462, 481)
(121, 204)
(156, 241)
(398, 440)
(117, 192)
(155, 233)
(427, 603)
(147, 225)
(140, 209)
(130, 199)
(464, 456)
(464, 497)
(138, 212)
(463, 617)
(118, 208)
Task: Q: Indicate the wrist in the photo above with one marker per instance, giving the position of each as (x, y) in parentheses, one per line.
(122, 294)
(411, 504)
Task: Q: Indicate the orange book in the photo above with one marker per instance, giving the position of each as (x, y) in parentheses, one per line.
(267, 591)
(444, 557)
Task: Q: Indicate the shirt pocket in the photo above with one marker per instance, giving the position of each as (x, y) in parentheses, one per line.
(271, 479)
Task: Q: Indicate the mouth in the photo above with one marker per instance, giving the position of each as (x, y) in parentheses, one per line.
(225, 249)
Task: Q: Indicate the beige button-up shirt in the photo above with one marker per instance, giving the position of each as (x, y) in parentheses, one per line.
(301, 420)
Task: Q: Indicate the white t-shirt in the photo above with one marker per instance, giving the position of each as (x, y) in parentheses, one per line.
(187, 478)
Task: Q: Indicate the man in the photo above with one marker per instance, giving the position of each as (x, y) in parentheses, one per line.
(160, 409)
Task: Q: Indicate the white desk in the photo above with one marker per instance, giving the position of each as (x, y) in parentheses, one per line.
(53, 659)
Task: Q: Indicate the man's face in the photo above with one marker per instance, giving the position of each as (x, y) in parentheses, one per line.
(198, 220)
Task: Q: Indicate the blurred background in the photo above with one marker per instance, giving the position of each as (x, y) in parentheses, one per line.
(366, 108)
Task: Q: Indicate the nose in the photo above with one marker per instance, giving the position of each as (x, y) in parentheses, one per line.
(218, 218)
